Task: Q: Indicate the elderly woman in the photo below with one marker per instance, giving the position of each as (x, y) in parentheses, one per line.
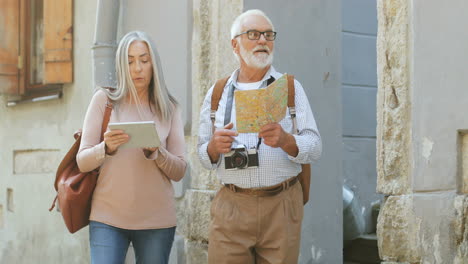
(133, 200)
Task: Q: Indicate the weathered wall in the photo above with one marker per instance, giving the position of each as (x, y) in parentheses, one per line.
(421, 121)
(212, 58)
(309, 46)
(169, 23)
(359, 95)
(34, 137)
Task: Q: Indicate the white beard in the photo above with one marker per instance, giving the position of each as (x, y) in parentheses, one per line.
(259, 60)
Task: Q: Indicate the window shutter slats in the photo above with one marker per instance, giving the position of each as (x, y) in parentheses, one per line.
(9, 47)
(58, 41)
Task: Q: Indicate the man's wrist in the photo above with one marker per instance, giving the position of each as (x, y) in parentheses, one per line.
(290, 145)
(214, 157)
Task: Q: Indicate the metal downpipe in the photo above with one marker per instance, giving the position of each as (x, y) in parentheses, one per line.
(105, 43)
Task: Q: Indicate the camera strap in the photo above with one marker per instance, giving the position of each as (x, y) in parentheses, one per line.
(228, 110)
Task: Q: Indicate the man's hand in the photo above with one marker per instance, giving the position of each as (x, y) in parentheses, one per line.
(221, 142)
(274, 136)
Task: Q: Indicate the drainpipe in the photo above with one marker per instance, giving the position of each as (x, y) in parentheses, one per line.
(105, 43)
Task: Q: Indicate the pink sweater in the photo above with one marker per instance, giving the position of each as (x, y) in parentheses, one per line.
(133, 191)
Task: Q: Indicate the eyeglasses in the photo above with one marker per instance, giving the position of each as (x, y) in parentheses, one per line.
(255, 34)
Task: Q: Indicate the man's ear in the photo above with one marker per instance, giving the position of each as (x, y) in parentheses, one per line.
(235, 46)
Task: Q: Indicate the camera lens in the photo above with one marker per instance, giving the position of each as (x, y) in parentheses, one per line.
(239, 160)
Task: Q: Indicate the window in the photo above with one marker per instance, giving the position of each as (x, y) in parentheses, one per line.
(36, 55)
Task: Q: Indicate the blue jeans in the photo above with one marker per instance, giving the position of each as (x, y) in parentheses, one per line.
(110, 244)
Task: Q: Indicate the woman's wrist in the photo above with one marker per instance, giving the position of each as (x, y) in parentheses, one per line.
(107, 151)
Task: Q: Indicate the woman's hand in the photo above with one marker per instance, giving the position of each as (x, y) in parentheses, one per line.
(114, 139)
(149, 151)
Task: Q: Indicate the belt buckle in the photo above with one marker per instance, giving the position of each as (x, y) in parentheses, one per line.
(252, 192)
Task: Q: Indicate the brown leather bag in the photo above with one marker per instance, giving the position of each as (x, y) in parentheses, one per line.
(304, 175)
(74, 188)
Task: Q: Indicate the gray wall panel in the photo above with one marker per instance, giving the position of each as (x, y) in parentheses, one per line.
(359, 111)
(439, 91)
(359, 60)
(308, 46)
(359, 103)
(169, 24)
(360, 16)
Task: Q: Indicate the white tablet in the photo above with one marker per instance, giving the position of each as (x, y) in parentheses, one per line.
(142, 134)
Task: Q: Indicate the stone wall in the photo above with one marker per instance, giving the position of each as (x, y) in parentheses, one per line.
(34, 138)
(212, 58)
(393, 98)
(421, 128)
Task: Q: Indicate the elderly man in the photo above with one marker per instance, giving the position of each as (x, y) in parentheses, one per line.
(257, 215)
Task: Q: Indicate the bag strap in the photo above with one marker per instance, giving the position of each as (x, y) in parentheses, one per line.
(105, 120)
(291, 103)
(215, 97)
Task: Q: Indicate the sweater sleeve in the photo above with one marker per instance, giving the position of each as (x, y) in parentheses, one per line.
(171, 160)
(91, 154)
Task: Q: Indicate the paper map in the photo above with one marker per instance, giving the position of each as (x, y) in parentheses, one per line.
(256, 108)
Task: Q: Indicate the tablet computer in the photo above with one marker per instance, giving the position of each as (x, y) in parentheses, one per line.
(142, 134)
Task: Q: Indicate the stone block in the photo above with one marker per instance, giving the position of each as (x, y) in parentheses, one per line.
(181, 186)
(393, 98)
(201, 178)
(194, 219)
(212, 56)
(10, 201)
(461, 229)
(177, 255)
(419, 228)
(437, 213)
(196, 252)
(1, 216)
(463, 161)
(398, 230)
(36, 161)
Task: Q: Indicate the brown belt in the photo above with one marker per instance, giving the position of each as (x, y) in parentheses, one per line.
(266, 191)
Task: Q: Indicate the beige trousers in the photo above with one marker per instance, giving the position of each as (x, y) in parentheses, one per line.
(255, 230)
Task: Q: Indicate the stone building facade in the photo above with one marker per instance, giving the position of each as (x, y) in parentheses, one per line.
(421, 131)
(36, 131)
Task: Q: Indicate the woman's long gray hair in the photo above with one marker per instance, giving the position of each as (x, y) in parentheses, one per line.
(158, 95)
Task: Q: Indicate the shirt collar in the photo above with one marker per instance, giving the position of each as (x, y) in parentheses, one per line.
(271, 72)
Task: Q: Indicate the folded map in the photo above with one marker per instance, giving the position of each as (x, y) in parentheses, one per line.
(256, 108)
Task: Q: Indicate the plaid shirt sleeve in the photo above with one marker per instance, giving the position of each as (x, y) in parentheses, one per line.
(308, 138)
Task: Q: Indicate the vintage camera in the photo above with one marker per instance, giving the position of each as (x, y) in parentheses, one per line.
(240, 158)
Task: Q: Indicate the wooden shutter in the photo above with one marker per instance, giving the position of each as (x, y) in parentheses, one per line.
(58, 41)
(10, 62)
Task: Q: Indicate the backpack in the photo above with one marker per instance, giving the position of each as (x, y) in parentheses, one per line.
(75, 188)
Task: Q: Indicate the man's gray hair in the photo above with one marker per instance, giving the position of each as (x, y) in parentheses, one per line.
(238, 22)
